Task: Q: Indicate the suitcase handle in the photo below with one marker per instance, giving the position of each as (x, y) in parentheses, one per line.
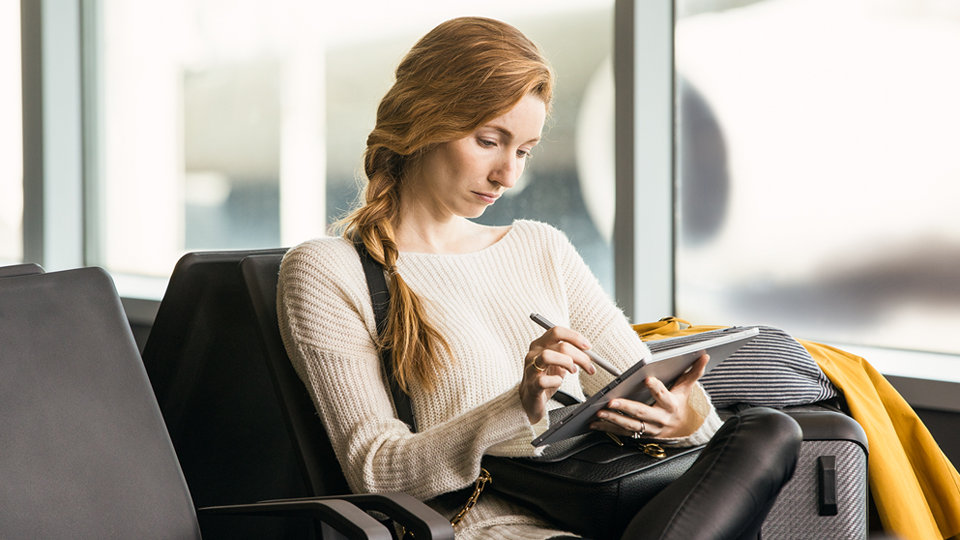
(827, 485)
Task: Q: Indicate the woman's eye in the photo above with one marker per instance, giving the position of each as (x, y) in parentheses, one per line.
(523, 153)
(488, 143)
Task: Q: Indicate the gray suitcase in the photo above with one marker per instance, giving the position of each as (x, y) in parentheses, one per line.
(827, 496)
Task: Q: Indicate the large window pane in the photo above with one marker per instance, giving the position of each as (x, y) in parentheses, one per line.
(190, 130)
(818, 172)
(242, 124)
(11, 136)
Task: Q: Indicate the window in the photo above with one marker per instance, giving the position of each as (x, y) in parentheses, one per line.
(817, 171)
(243, 125)
(11, 150)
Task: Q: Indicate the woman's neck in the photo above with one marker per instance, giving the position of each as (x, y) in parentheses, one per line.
(457, 235)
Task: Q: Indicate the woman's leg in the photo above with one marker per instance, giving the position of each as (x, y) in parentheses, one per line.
(728, 491)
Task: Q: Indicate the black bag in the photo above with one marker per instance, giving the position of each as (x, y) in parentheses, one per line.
(592, 484)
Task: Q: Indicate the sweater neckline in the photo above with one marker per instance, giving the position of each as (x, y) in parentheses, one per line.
(424, 255)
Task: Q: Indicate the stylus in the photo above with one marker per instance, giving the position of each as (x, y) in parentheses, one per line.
(537, 318)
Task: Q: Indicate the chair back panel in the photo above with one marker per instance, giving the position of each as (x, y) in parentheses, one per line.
(20, 270)
(205, 361)
(83, 448)
(314, 451)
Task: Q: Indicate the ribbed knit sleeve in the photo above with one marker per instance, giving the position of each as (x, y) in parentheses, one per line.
(327, 325)
(592, 312)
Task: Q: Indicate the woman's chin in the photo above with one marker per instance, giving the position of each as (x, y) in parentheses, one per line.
(475, 212)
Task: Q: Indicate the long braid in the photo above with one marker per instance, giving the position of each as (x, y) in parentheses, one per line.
(415, 342)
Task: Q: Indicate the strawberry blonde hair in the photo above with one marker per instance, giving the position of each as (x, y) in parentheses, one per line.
(459, 76)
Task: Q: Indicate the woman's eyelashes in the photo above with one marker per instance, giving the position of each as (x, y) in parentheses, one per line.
(489, 143)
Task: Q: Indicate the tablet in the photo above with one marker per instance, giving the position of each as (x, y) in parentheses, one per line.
(671, 358)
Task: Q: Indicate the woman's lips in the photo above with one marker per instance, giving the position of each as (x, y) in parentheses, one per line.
(488, 198)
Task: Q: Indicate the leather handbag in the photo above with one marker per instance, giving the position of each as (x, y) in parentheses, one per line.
(592, 484)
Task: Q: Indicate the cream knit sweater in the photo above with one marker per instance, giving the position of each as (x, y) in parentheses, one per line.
(481, 303)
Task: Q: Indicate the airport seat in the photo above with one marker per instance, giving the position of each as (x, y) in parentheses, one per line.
(228, 409)
(20, 270)
(312, 449)
(84, 452)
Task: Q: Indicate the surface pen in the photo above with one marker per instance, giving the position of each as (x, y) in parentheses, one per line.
(607, 366)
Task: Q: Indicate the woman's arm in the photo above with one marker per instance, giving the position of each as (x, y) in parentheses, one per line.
(683, 414)
(327, 325)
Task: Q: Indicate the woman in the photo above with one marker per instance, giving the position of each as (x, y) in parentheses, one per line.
(452, 135)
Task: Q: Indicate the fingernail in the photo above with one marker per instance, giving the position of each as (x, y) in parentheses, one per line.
(614, 404)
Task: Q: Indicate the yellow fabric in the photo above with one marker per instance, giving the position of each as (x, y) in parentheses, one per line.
(915, 487)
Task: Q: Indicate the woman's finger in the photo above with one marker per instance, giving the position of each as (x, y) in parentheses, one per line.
(576, 355)
(630, 407)
(661, 394)
(559, 333)
(555, 363)
(566, 341)
(694, 373)
(625, 425)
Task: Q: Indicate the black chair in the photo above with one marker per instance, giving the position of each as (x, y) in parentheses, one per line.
(83, 448)
(20, 270)
(312, 449)
(227, 407)
(214, 390)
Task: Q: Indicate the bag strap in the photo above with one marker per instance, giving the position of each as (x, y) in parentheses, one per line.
(380, 298)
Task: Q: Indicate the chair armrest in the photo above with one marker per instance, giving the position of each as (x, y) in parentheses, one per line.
(407, 510)
(344, 517)
(415, 516)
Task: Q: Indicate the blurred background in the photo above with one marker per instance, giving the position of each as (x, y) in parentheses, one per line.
(816, 179)
(818, 172)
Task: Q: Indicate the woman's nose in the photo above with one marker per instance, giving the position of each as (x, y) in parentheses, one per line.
(507, 171)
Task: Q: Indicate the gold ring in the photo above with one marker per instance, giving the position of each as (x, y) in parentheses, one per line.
(536, 365)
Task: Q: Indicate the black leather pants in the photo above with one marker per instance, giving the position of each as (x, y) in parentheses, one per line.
(731, 487)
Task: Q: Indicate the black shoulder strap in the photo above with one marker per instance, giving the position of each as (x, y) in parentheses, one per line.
(380, 298)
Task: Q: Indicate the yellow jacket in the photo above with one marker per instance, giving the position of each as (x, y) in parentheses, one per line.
(915, 487)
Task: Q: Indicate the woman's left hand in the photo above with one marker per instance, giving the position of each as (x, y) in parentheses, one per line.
(669, 417)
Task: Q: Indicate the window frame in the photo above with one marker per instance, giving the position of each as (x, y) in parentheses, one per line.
(52, 134)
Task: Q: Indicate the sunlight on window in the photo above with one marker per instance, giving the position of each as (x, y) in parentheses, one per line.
(234, 125)
(11, 137)
(818, 168)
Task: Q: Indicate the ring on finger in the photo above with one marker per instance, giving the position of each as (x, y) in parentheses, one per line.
(536, 365)
(643, 429)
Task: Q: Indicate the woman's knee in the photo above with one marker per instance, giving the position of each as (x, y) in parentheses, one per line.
(773, 424)
(771, 435)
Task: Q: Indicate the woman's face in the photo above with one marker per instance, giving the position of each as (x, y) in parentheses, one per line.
(465, 176)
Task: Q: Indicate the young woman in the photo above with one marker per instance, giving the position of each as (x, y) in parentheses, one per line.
(452, 135)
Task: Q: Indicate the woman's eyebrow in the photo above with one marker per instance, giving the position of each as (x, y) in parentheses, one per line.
(509, 134)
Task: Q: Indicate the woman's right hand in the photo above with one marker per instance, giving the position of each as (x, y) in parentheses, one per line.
(552, 356)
